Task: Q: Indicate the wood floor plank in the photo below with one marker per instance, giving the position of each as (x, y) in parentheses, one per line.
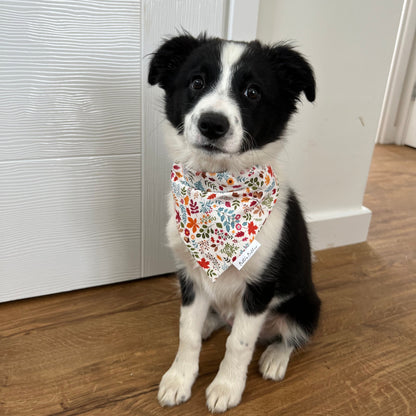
(102, 351)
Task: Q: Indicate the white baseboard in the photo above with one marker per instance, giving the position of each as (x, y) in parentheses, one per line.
(335, 229)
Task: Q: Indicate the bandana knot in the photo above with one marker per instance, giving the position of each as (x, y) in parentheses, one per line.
(219, 214)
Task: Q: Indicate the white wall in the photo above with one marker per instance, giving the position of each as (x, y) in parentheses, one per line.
(350, 45)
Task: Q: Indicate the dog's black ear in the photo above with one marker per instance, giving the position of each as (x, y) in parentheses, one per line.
(293, 70)
(170, 56)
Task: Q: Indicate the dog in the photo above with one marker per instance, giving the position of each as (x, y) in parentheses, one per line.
(227, 107)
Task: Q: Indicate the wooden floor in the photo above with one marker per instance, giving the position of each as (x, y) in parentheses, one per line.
(102, 351)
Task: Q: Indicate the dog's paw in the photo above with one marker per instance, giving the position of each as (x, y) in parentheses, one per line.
(175, 386)
(273, 362)
(223, 394)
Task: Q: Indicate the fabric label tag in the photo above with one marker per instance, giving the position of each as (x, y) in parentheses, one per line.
(246, 255)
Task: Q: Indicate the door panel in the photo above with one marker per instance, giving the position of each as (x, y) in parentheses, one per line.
(68, 224)
(69, 78)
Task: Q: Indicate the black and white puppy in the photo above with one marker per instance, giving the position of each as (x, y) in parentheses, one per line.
(249, 92)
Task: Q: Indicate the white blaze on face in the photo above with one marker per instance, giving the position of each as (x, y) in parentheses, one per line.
(220, 101)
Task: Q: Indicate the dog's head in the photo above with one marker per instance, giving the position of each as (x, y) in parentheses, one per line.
(227, 100)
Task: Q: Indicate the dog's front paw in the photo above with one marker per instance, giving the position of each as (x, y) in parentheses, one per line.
(224, 393)
(175, 386)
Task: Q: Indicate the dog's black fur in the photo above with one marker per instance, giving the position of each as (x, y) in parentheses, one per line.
(281, 74)
(279, 71)
(266, 85)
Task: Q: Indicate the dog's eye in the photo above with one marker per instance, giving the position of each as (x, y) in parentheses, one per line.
(252, 93)
(197, 83)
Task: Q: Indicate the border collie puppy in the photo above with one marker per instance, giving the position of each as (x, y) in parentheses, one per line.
(227, 105)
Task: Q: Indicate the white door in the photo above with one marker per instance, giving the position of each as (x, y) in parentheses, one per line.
(83, 173)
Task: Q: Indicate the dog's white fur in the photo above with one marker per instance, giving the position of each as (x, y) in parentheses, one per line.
(219, 100)
(225, 294)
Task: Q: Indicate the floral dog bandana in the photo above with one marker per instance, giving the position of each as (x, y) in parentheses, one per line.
(218, 215)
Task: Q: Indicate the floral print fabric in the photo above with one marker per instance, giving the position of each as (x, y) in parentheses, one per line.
(218, 214)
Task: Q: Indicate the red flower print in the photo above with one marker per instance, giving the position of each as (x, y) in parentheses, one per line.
(187, 231)
(203, 263)
(237, 217)
(228, 204)
(252, 228)
(269, 170)
(252, 203)
(240, 234)
(238, 226)
(178, 217)
(212, 196)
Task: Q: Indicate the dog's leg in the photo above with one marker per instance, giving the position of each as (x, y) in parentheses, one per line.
(175, 386)
(227, 388)
(274, 360)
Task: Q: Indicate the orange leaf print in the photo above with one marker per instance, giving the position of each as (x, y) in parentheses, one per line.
(192, 224)
(267, 179)
(186, 200)
(252, 228)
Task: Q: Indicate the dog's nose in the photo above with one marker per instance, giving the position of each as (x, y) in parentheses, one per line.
(213, 125)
